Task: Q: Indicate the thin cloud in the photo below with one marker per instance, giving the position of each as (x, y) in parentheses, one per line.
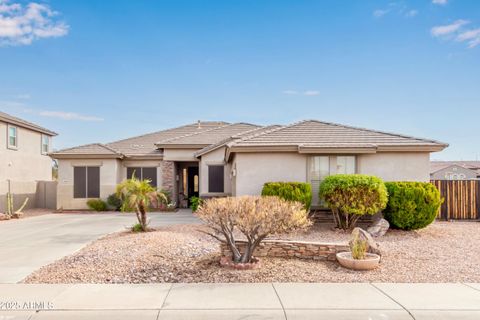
(472, 37)
(380, 13)
(68, 116)
(440, 2)
(21, 25)
(411, 13)
(23, 96)
(302, 93)
(457, 32)
(444, 30)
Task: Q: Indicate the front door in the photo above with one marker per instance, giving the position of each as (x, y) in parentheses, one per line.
(192, 182)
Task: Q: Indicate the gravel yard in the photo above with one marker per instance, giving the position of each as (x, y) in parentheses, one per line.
(443, 252)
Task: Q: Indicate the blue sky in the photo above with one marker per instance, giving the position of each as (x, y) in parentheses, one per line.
(97, 71)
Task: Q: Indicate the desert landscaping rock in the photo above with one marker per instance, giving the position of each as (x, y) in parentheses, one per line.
(379, 228)
(373, 246)
(183, 254)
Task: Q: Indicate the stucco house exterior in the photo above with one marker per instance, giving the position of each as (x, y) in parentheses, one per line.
(455, 170)
(24, 159)
(209, 159)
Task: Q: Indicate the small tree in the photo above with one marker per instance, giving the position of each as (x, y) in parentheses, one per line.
(255, 217)
(350, 196)
(139, 194)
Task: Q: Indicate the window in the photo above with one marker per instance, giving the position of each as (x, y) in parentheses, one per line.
(143, 173)
(12, 137)
(215, 178)
(86, 182)
(322, 166)
(45, 144)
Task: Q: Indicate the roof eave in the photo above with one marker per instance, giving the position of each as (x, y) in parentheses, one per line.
(182, 146)
(84, 156)
(26, 126)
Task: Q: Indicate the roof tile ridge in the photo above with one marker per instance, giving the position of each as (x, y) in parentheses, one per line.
(273, 130)
(193, 134)
(80, 146)
(377, 131)
(149, 133)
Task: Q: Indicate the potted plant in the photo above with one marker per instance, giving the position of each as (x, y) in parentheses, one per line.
(358, 258)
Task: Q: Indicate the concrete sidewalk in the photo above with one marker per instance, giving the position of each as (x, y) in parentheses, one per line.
(382, 301)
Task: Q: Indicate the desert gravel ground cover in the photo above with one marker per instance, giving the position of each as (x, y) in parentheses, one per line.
(443, 252)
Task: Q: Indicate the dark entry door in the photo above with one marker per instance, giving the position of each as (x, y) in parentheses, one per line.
(193, 182)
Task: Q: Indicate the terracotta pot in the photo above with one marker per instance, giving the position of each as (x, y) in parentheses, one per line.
(370, 262)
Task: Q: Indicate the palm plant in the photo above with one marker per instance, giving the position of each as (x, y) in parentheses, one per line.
(139, 195)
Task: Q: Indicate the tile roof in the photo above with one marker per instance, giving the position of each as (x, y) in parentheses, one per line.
(439, 165)
(25, 124)
(314, 133)
(208, 137)
(89, 149)
(144, 145)
(225, 141)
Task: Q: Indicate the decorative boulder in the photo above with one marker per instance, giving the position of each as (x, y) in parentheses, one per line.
(373, 246)
(379, 228)
(4, 216)
(17, 215)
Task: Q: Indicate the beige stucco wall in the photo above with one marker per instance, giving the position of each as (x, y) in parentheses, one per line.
(26, 163)
(109, 177)
(254, 169)
(179, 154)
(216, 157)
(396, 166)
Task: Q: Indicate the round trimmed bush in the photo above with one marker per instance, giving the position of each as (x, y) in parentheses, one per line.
(97, 205)
(353, 195)
(290, 191)
(412, 205)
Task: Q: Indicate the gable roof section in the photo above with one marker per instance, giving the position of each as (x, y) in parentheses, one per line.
(225, 141)
(436, 166)
(313, 136)
(207, 137)
(88, 150)
(25, 124)
(143, 145)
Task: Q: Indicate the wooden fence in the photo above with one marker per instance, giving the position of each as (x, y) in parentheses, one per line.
(462, 199)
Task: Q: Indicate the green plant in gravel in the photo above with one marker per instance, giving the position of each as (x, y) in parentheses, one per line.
(412, 205)
(115, 202)
(351, 196)
(290, 191)
(137, 227)
(195, 202)
(139, 194)
(97, 205)
(358, 247)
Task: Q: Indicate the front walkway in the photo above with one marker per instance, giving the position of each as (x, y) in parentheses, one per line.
(28, 244)
(382, 301)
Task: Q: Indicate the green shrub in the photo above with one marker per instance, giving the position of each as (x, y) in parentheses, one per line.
(412, 205)
(137, 227)
(195, 202)
(97, 204)
(290, 191)
(350, 196)
(115, 202)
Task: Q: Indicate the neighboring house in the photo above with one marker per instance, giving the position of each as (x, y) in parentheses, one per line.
(455, 170)
(210, 159)
(24, 159)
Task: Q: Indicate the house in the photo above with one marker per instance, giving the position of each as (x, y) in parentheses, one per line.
(455, 170)
(24, 160)
(209, 159)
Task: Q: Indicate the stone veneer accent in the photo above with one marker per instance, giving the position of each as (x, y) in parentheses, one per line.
(292, 249)
(168, 176)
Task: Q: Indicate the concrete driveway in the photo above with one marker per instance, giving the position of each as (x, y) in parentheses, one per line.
(28, 244)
